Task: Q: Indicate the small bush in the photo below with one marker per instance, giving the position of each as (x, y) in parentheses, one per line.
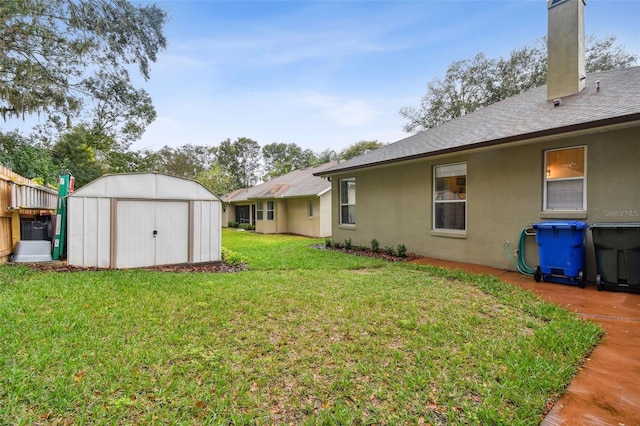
(347, 244)
(402, 250)
(328, 242)
(233, 224)
(247, 227)
(389, 250)
(362, 247)
(375, 246)
(337, 245)
(232, 258)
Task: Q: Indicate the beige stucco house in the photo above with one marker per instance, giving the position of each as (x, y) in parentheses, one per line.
(295, 203)
(568, 150)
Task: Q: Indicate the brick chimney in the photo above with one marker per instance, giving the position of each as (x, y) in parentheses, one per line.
(565, 48)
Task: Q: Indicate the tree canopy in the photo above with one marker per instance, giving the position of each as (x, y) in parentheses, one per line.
(470, 84)
(241, 159)
(88, 154)
(186, 161)
(217, 179)
(70, 59)
(359, 148)
(28, 158)
(280, 159)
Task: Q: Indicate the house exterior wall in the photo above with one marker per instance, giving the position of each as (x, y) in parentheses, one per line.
(225, 216)
(325, 215)
(291, 216)
(278, 225)
(230, 214)
(299, 220)
(504, 194)
(281, 217)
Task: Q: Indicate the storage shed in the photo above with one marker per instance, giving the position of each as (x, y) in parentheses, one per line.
(143, 219)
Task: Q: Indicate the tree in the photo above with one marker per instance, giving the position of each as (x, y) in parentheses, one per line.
(478, 82)
(326, 156)
(78, 151)
(280, 159)
(71, 59)
(360, 148)
(28, 158)
(217, 180)
(186, 161)
(605, 55)
(240, 159)
(131, 161)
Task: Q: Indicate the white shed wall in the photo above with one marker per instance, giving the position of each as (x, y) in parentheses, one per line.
(100, 212)
(89, 232)
(206, 237)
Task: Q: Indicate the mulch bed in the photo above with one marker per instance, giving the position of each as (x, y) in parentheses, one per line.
(370, 253)
(199, 267)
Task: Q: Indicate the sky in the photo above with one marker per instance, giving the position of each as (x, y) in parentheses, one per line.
(327, 74)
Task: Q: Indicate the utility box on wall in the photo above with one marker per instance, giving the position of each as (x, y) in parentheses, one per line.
(143, 219)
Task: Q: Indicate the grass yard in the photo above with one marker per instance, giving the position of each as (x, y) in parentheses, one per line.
(305, 336)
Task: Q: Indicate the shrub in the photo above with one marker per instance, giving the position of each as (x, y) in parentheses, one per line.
(389, 250)
(232, 258)
(328, 242)
(247, 227)
(362, 247)
(233, 224)
(402, 250)
(347, 244)
(375, 246)
(336, 245)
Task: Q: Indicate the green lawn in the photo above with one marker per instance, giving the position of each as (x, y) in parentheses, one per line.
(305, 336)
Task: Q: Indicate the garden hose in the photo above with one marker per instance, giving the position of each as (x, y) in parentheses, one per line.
(521, 265)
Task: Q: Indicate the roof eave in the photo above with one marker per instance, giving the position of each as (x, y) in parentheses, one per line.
(286, 197)
(495, 142)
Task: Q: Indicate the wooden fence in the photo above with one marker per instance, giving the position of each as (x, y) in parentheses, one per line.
(20, 198)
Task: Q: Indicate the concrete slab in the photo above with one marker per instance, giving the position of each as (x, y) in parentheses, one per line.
(32, 251)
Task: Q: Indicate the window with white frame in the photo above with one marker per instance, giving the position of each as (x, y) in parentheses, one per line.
(259, 210)
(270, 210)
(450, 197)
(348, 201)
(565, 179)
(310, 208)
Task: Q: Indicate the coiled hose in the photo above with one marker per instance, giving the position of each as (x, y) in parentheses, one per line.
(520, 264)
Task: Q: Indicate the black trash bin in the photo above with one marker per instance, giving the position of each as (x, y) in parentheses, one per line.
(617, 250)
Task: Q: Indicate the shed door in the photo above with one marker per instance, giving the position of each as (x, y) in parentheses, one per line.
(151, 233)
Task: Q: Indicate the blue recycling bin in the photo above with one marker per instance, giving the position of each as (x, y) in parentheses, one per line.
(561, 247)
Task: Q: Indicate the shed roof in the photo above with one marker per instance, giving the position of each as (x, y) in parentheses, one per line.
(611, 97)
(152, 185)
(298, 183)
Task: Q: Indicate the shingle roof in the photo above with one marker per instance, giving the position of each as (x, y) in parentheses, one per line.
(298, 183)
(520, 117)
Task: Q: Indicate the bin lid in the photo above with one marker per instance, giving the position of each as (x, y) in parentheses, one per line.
(566, 224)
(615, 225)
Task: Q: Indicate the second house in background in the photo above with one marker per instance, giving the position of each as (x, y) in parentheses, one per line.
(295, 203)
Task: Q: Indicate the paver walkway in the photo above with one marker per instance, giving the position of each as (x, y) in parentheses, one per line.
(606, 391)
